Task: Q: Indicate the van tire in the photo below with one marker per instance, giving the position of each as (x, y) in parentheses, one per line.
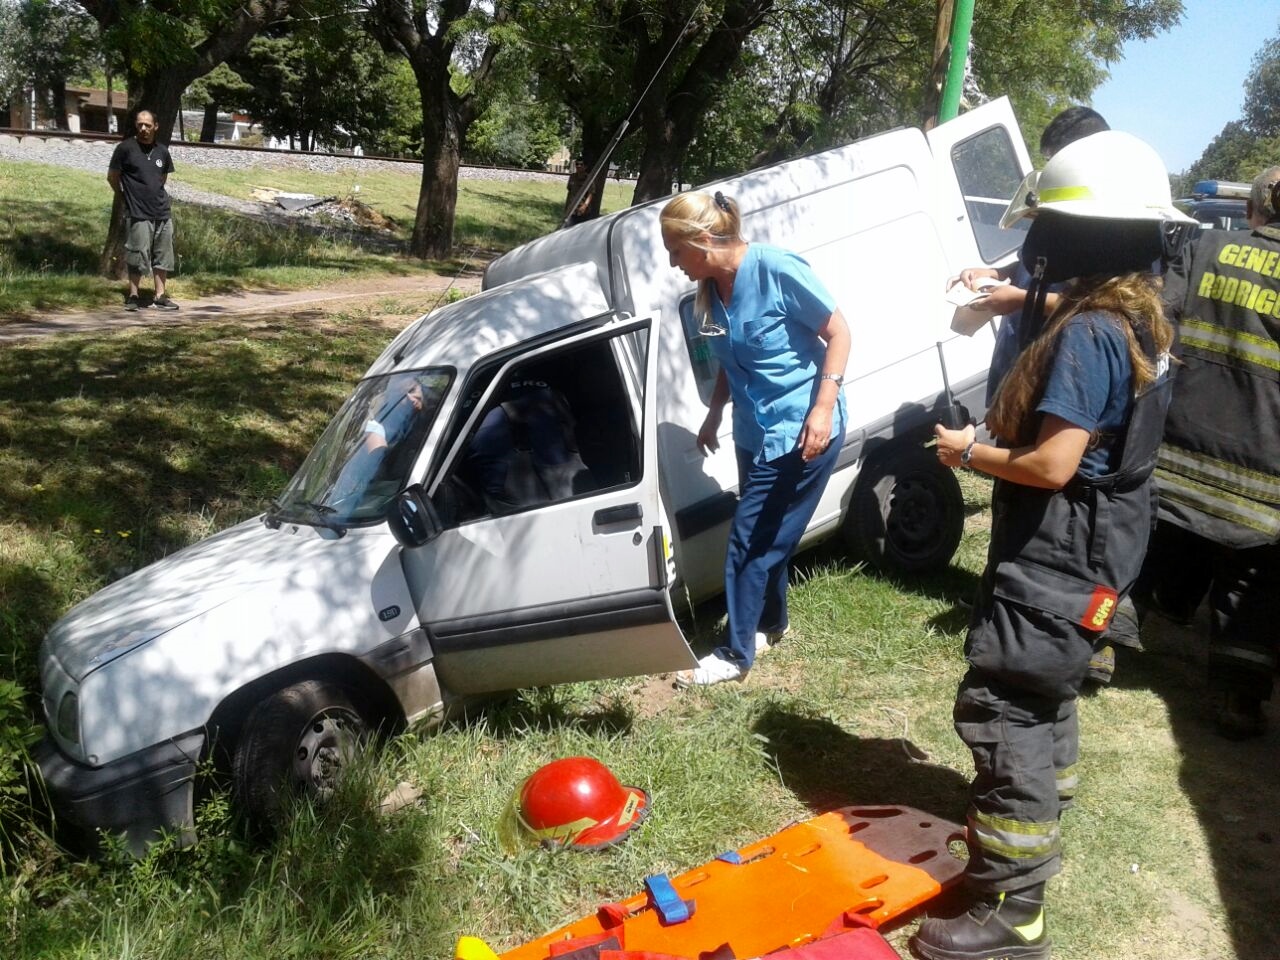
(907, 511)
(295, 743)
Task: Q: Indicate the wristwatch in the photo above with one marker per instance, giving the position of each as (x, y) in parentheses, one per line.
(837, 377)
(968, 454)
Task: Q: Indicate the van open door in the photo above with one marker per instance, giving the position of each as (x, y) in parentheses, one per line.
(981, 160)
(552, 563)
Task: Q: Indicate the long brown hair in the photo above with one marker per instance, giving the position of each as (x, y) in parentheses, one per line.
(1132, 297)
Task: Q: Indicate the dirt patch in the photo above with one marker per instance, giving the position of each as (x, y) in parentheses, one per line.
(405, 295)
(655, 695)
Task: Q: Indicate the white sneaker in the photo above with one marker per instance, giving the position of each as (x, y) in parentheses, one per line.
(766, 640)
(710, 670)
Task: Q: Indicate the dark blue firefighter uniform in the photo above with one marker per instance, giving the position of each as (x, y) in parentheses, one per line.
(1058, 564)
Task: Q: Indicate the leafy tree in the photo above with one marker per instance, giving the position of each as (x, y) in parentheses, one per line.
(43, 43)
(664, 65)
(324, 82)
(452, 47)
(164, 46)
(515, 132)
(1262, 90)
(1237, 153)
(1247, 146)
(220, 88)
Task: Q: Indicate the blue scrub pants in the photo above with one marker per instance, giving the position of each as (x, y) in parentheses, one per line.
(776, 501)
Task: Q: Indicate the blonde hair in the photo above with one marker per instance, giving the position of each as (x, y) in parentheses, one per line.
(688, 216)
(1133, 297)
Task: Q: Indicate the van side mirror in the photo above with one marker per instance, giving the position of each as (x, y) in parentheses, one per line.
(412, 518)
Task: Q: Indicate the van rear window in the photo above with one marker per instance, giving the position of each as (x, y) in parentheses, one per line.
(987, 170)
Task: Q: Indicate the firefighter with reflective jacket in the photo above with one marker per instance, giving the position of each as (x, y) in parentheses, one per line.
(1078, 421)
(1219, 467)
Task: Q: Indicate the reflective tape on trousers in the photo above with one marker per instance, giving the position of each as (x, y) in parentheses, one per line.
(1013, 839)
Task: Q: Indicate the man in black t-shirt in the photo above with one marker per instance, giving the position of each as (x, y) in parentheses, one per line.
(138, 169)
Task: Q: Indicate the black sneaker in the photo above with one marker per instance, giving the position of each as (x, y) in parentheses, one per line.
(164, 303)
(1004, 926)
(131, 303)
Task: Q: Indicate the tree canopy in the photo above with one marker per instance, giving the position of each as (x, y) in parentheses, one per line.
(695, 88)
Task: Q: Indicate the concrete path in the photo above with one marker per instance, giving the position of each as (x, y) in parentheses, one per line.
(229, 306)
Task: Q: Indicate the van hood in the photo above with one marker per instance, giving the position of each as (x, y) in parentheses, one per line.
(169, 592)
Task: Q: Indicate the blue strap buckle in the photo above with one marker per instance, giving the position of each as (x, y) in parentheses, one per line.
(670, 905)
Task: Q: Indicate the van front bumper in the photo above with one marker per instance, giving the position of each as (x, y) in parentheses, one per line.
(141, 796)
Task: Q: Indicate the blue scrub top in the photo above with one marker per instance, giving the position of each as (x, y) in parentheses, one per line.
(772, 354)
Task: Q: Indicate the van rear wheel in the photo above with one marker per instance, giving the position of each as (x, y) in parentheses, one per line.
(296, 742)
(907, 512)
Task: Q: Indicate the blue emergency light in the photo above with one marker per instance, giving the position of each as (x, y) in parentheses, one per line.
(1221, 188)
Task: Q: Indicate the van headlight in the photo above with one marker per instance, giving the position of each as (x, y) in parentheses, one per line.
(68, 720)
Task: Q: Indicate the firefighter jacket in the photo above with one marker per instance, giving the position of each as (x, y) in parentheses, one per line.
(1219, 466)
(1064, 558)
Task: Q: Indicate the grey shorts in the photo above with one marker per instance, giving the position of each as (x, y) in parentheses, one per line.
(149, 246)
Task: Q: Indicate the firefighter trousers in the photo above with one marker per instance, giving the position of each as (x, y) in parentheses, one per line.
(1025, 747)
(1244, 604)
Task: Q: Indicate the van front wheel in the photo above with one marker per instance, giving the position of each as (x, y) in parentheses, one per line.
(907, 512)
(296, 742)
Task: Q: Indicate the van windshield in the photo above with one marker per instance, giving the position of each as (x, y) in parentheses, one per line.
(363, 458)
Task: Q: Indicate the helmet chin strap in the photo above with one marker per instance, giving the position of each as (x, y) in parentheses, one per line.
(1032, 320)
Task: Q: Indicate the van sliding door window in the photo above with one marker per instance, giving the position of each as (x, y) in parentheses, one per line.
(705, 366)
(563, 426)
(988, 173)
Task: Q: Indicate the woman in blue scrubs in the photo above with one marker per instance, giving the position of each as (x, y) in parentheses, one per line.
(782, 345)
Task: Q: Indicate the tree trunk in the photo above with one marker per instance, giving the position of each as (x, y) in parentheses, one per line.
(111, 263)
(209, 125)
(58, 99)
(595, 139)
(658, 164)
(438, 194)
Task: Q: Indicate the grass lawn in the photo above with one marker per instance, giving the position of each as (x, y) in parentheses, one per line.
(115, 449)
(55, 223)
(491, 214)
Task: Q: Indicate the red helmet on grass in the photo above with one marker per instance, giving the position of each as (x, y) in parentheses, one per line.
(575, 802)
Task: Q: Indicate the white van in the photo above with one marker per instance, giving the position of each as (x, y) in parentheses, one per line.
(271, 645)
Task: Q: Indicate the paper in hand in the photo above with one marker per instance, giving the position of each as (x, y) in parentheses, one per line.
(966, 320)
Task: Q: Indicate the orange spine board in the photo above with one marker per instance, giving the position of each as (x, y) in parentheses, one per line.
(790, 887)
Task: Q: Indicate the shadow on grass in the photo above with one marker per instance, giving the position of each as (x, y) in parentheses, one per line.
(826, 767)
(542, 710)
(1234, 787)
(115, 451)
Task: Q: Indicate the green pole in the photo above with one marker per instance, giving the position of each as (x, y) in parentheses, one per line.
(961, 24)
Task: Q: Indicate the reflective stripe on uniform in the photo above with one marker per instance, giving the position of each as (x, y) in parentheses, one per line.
(1216, 502)
(1013, 839)
(1253, 484)
(1247, 348)
(1067, 780)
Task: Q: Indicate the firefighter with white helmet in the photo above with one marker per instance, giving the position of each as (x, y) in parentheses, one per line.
(1078, 422)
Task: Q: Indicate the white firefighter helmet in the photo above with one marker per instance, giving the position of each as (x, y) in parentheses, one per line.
(1109, 175)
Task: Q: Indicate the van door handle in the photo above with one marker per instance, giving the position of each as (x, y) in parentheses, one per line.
(620, 514)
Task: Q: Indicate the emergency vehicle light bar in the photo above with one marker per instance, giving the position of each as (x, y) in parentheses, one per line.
(1221, 188)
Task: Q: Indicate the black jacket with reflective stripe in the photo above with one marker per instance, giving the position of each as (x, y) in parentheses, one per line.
(1219, 468)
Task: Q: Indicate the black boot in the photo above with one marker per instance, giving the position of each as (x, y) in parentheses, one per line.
(997, 926)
